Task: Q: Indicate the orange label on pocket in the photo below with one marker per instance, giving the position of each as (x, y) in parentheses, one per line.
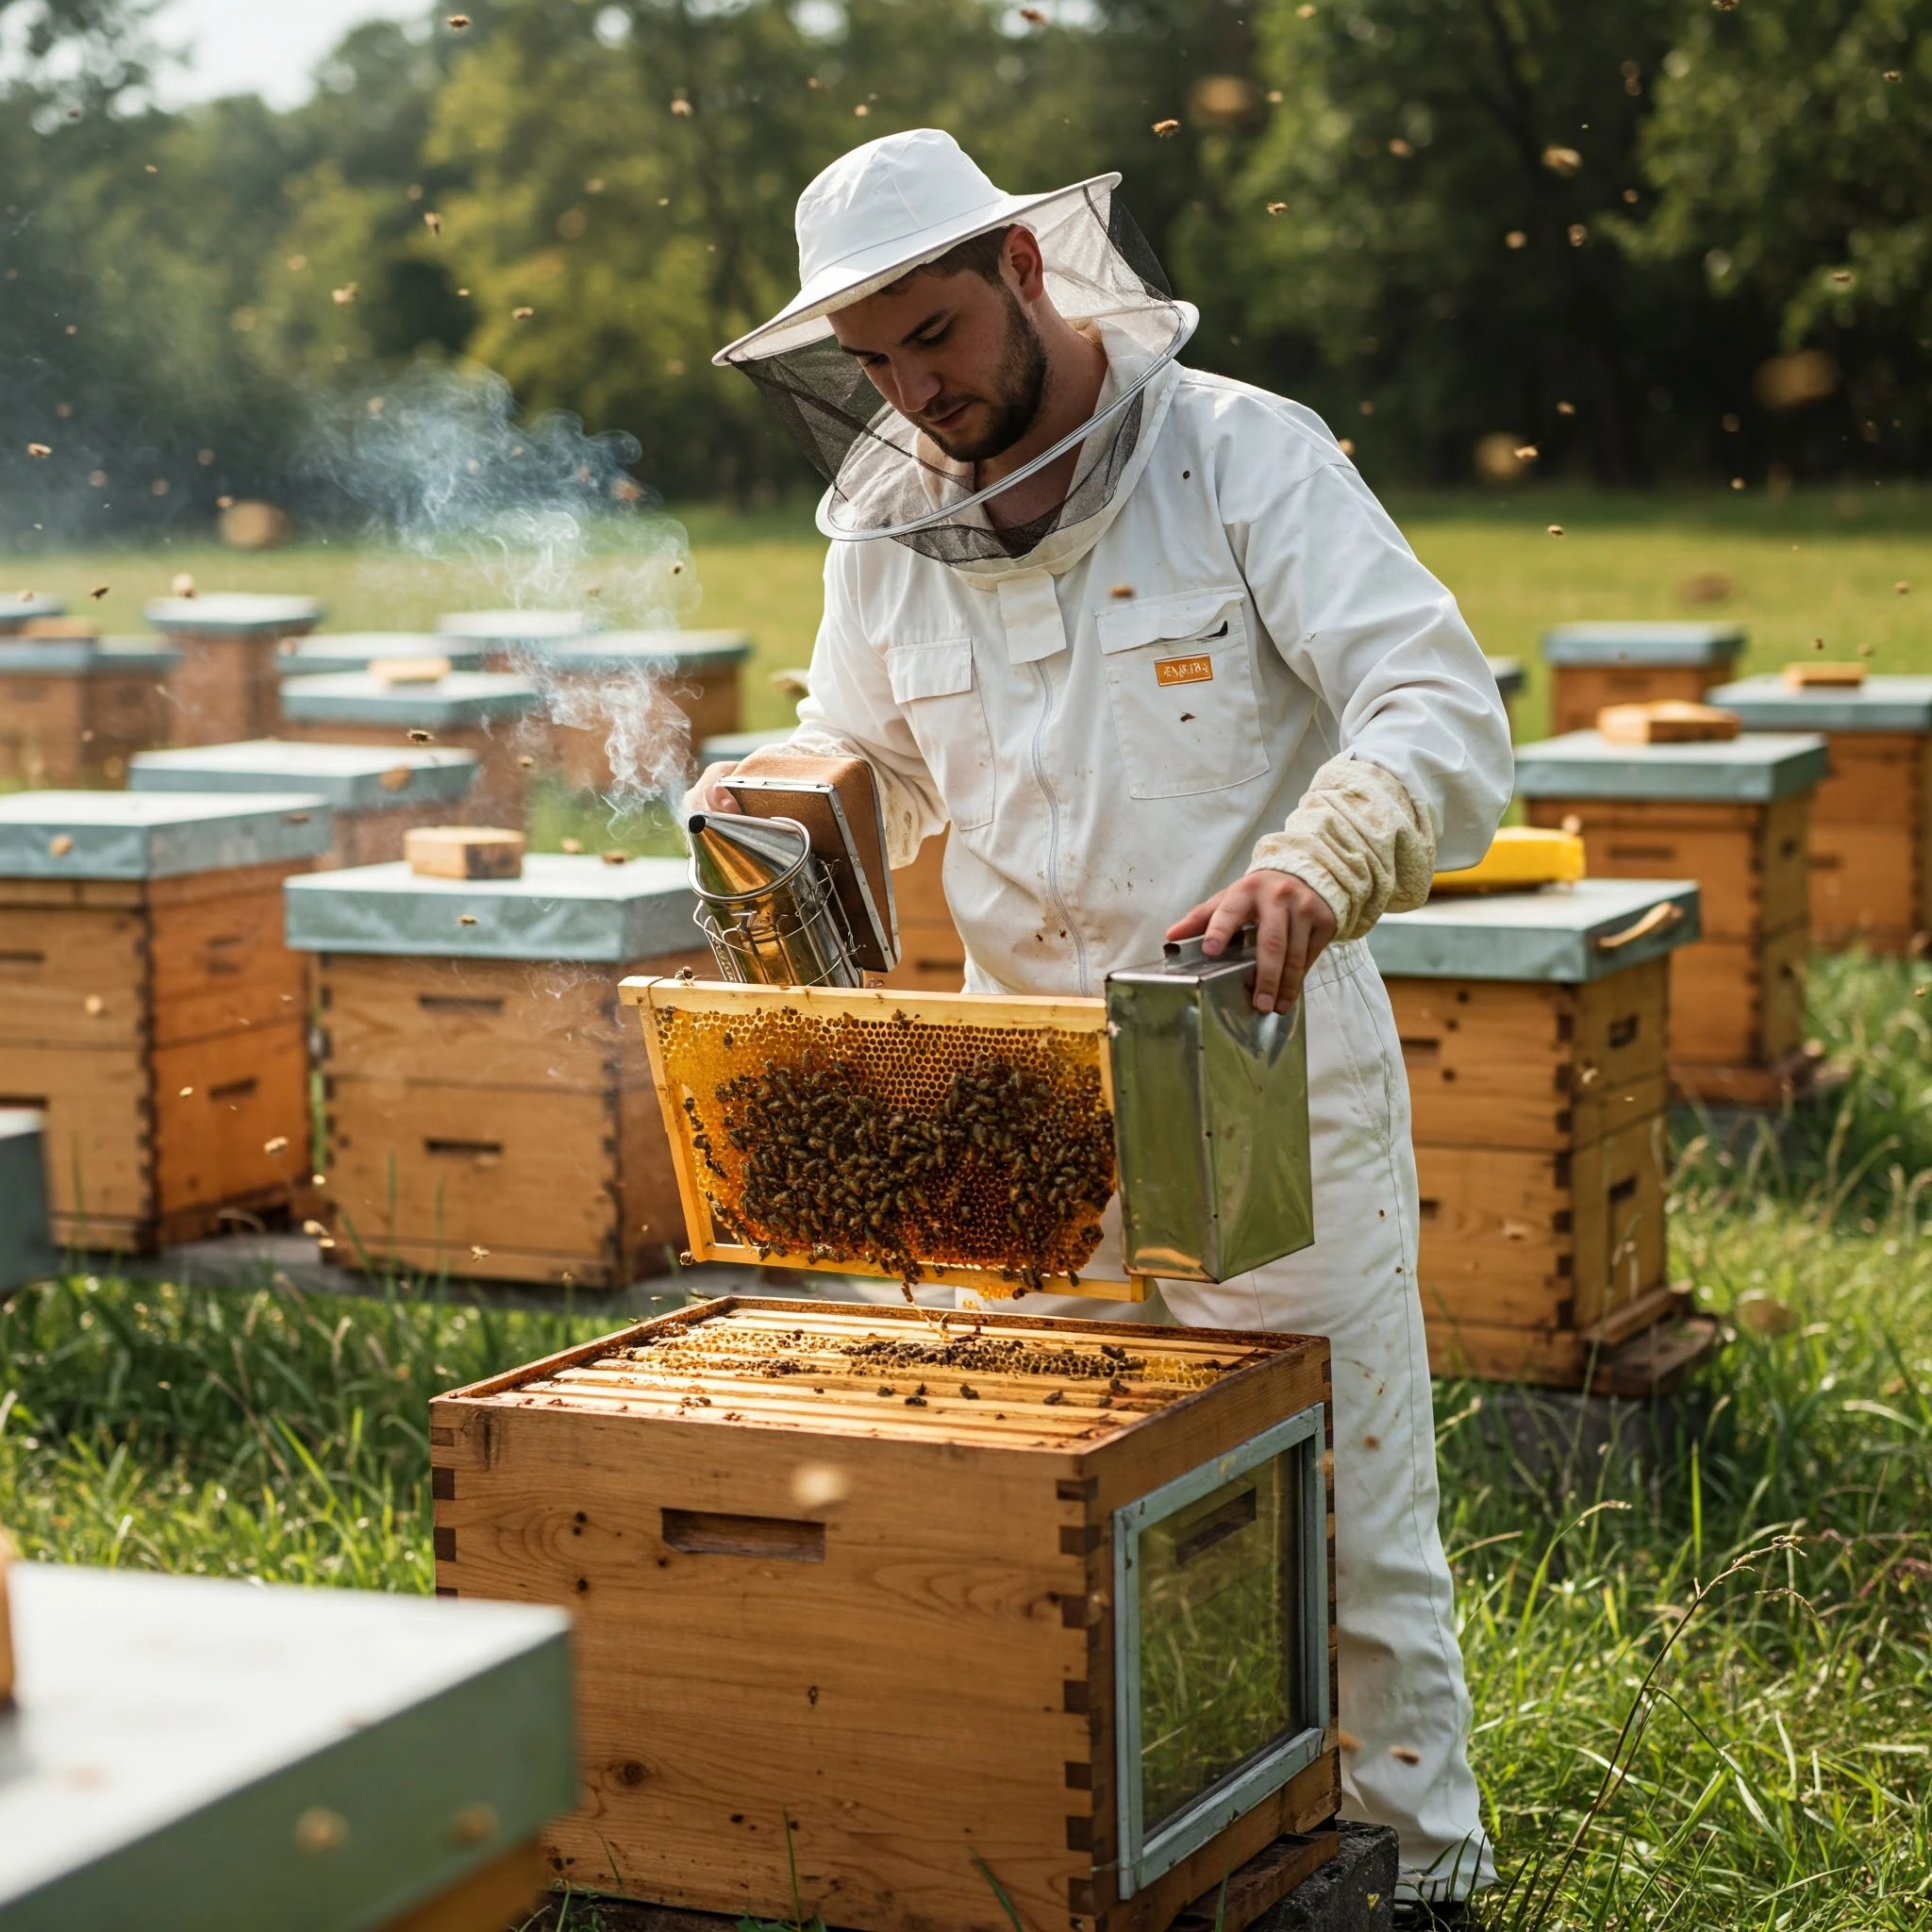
(1183, 670)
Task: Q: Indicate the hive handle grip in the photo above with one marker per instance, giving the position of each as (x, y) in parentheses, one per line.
(1659, 919)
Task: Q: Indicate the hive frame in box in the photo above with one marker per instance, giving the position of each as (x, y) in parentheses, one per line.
(650, 995)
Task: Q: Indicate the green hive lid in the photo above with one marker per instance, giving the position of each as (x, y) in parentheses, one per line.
(1509, 676)
(26, 1246)
(357, 650)
(565, 907)
(505, 629)
(1751, 770)
(22, 606)
(740, 744)
(353, 777)
(658, 651)
(173, 1731)
(359, 697)
(1552, 933)
(1880, 704)
(84, 657)
(1638, 643)
(156, 835)
(237, 614)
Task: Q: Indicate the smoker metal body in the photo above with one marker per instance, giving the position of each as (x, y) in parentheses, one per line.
(766, 903)
(1210, 1117)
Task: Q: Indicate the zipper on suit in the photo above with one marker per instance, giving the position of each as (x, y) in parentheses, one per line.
(1053, 824)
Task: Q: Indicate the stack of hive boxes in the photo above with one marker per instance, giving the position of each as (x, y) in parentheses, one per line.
(227, 685)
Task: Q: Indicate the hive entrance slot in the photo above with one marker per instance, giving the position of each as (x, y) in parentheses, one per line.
(459, 1149)
(459, 1003)
(779, 1538)
(234, 1090)
(22, 961)
(1624, 1031)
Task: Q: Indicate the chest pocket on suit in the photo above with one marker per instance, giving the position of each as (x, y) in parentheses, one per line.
(1180, 677)
(934, 686)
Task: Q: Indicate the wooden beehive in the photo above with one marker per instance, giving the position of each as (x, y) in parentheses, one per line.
(148, 1004)
(857, 1590)
(75, 711)
(510, 639)
(1734, 816)
(493, 715)
(226, 686)
(488, 1111)
(1535, 1031)
(375, 793)
(1871, 851)
(18, 608)
(639, 684)
(1594, 665)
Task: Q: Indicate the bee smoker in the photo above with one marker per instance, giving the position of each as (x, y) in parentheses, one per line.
(1211, 1116)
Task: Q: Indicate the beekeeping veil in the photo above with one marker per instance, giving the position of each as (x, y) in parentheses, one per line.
(871, 218)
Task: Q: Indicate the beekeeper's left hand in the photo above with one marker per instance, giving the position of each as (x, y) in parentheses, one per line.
(1292, 924)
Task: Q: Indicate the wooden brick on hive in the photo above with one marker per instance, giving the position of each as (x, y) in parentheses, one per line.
(1535, 1031)
(377, 794)
(490, 1112)
(148, 1003)
(1870, 865)
(853, 1577)
(227, 685)
(1594, 665)
(1734, 816)
(76, 710)
(680, 684)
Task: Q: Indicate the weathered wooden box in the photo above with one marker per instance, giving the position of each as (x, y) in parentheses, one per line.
(75, 711)
(1733, 815)
(1592, 665)
(148, 1004)
(27, 1241)
(635, 687)
(490, 1112)
(1535, 1031)
(1872, 817)
(494, 716)
(375, 793)
(922, 1606)
(227, 687)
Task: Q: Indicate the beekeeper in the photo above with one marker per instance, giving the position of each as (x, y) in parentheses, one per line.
(1145, 639)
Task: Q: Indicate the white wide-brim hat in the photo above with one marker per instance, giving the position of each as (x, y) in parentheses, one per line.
(880, 211)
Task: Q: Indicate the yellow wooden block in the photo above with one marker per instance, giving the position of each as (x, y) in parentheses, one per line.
(1519, 859)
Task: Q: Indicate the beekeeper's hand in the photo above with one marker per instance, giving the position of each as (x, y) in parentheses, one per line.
(1292, 924)
(707, 795)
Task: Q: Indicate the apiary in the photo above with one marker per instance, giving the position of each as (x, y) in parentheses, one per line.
(1534, 1026)
(1592, 665)
(599, 680)
(18, 608)
(359, 650)
(1510, 679)
(984, 1601)
(150, 1008)
(1872, 817)
(228, 686)
(27, 1242)
(510, 639)
(75, 710)
(488, 1111)
(186, 1752)
(493, 715)
(1734, 815)
(377, 794)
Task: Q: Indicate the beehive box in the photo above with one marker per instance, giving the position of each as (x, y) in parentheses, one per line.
(188, 1752)
(148, 1004)
(510, 639)
(375, 793)
(923, 1605)
(1535, 1031)
(491, 714)
(488, 1111)
(1872, 817)
(640, 682)
(75, 711)
(27, 1241)
(1510, 679)
(228, 686)
(1592, 665)
(1734, 816)
(18, 608)
(323, 652)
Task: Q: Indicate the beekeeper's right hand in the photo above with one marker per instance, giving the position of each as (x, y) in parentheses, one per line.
(707, 795)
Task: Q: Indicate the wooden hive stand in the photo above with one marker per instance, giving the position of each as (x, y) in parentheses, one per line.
(1592, 665)
(227, 685)
(1535, 1031)
(488, 1112)
(655, 682)
(908, 1605)
(75, 711)
(375, 793)
(148, 1004)
(1733, 815)
(1871, 816)
(493, 715)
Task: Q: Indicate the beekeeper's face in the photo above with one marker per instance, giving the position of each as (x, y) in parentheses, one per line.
(958, 353)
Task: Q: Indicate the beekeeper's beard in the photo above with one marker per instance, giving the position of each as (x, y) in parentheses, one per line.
(1019, 389)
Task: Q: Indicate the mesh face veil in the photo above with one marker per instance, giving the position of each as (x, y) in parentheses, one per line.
(886, 477)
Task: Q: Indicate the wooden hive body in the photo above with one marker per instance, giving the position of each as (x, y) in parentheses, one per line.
(488, 1111)
(228, 686)
(686, 681)
(932, 955)
(1538, 1075)
(157, 1019)
(75, 714)
(882, 1623)
(1595, 665)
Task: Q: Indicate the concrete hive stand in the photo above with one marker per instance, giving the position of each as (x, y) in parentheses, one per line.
(75, 711)
(226, 686)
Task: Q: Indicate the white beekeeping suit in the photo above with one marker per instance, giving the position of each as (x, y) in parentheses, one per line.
(1218, 656)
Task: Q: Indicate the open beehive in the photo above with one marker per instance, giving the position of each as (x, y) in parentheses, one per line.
(920, 1606)
(957, 1138)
